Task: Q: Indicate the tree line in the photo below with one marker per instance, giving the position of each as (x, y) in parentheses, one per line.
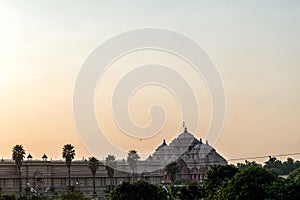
(245, 181)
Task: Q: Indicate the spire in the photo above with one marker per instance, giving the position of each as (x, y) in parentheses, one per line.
(44, 157)
(29, 156)
(164, 142)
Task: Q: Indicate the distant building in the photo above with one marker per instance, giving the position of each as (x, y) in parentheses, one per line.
(193, 156)
(47, 177)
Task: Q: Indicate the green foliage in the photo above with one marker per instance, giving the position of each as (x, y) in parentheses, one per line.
(73, 196)
(132, 158)
(18, 154)
(250, 183)
(34, 198)
(172, 169)
(138, 190)
(68, 153)
(8, 197)
(216, 179)
(93, 165)
(293, 185)
(247, 164)
(191, 191)
(110, 166)
(277, 190)
(52, 189)
(294, 176)
(281, 168)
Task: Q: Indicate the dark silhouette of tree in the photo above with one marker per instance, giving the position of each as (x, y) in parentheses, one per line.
(132, 159)
(243, 166)
(68, 153)
(172, 169)
(93, 165)
(190, 191)
(70, 196)
(293, 185)
(18, 154)
(249, 184)
(273, 165)
(281, 168)
(216, 178)
(138, 190)
(110, 166)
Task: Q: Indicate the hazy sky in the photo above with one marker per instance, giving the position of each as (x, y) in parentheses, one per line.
(255, 45)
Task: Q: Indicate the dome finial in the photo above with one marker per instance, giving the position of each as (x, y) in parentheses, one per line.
(184, 126)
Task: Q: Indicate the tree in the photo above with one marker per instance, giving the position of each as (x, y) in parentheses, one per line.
(216, 178)
(293, 185)
(132, 159)
(282, 189)
(247, 164)
(138, 190)
(18, 154)
(93, 165)
(68, 153)
(172, 169)
(249, 184)
(190, 191)
(73, 196)
(274, 165)
(110, 166)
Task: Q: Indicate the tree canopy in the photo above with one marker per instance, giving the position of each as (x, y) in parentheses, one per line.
(138, 190)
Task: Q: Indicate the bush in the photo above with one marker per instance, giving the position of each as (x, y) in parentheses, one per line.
(138, 190)
(73, 196)
(8, 197)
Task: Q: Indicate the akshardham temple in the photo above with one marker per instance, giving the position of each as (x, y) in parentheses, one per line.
(193, 156)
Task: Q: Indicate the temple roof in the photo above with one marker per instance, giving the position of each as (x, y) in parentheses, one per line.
(162, 145)
(185, 147)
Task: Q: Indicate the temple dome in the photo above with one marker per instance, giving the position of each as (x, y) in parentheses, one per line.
(162, 145)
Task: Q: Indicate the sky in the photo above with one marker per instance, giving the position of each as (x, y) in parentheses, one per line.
(254, 44)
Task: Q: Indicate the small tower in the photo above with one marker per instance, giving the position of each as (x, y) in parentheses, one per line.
(29, 157)
(45, 157)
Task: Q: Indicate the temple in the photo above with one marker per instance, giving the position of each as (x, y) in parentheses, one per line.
(50, 176)
(193, 156)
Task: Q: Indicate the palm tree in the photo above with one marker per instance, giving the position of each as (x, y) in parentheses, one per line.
(18, 154)
(132, 158)
(68, 153)
(172, 169)
(110, 166)
(93, 165)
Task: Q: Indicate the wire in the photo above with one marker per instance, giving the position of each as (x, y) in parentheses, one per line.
(276, 155)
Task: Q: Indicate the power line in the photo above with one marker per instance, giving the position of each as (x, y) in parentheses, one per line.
(274, 155)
